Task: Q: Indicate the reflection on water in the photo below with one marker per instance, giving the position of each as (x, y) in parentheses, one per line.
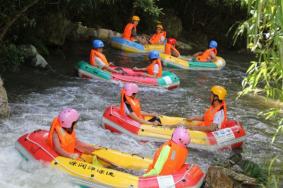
(37, 96)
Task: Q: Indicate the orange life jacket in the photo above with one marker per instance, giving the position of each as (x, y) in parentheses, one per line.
(210, 113)
(134, 103)
(156, 38)
(150, 68)
(204, 57)
(169, 48)
(127, 34)
(67, 141)
(93, 54)
(176, 159)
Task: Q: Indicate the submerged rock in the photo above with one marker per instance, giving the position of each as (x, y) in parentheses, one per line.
(4, 106)
(220, 177)
(32, 57)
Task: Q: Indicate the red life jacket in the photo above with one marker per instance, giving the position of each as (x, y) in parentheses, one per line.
(210, 113)
(93, 54)
(134, 103)
(150, 68)
(67, 141)
(171, 50)
(205, 56)
(175, 161)
(127, 34)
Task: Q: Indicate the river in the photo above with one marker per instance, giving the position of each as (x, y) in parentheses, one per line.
(37, 96)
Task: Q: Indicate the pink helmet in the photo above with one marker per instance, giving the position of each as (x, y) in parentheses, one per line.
(67, 117)
(181, 136)
(131, 88)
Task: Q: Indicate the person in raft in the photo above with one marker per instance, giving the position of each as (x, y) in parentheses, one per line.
(207, 55)
(155, 68)
(170, 48)
(159, 36)
(98, 59)
(62, 135)
(215, 116)
(172, 155)
(130, 106)
(130, 31)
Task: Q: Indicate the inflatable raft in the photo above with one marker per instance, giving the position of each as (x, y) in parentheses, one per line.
(183, 63)
(233, 136)
(168, 80)
(33, 146)
(134, 47)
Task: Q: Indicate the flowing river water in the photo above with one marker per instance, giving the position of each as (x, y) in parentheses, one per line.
(37, 96)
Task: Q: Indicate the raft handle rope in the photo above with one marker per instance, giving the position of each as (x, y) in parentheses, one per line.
(70, 170)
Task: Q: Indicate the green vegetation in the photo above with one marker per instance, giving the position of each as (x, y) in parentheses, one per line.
(264, 31)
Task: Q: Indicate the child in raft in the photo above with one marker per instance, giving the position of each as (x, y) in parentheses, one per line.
(62, 136)
(171, 156)
(207, 55)
(215, 116)
(98, 59)
(130, 105)
(155, 68)
(170, 48)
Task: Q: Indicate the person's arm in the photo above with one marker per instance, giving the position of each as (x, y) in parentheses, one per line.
(197, 54)
(209, 128)
(112, 70)
(142, 121)
(196, 118)
(84, 147)
(162, 158)
(59, 150)
(175, 52)
(212, 56)
(149, 113)
(139, 69)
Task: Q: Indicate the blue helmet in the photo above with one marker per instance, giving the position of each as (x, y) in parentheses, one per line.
(212, 44)
(153, 54)
(97, 44)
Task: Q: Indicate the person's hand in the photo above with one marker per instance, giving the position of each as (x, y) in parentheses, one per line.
(111, 63)
(74, 156)
(135, 68)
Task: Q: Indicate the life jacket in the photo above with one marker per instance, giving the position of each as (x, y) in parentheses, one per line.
(93, 54)
(134, 103)
(176, 159)
(204, 57)
(169, 48)
(210, 113)
(127, 34)
(157, 38)
(67, 141)
(150, 68)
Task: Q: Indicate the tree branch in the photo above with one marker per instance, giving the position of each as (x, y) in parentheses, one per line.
(15, 18)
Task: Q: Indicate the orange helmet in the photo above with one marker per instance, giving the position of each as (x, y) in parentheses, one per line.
(171, 41)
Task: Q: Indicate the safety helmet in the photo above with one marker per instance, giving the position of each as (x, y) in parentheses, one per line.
(131, 88)
(212, 44)
(219, 91)
(67, 117)
(135, 18)
(181, 136)
(97, 43)
(153, 55)
(159, 26)
(171, 41)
